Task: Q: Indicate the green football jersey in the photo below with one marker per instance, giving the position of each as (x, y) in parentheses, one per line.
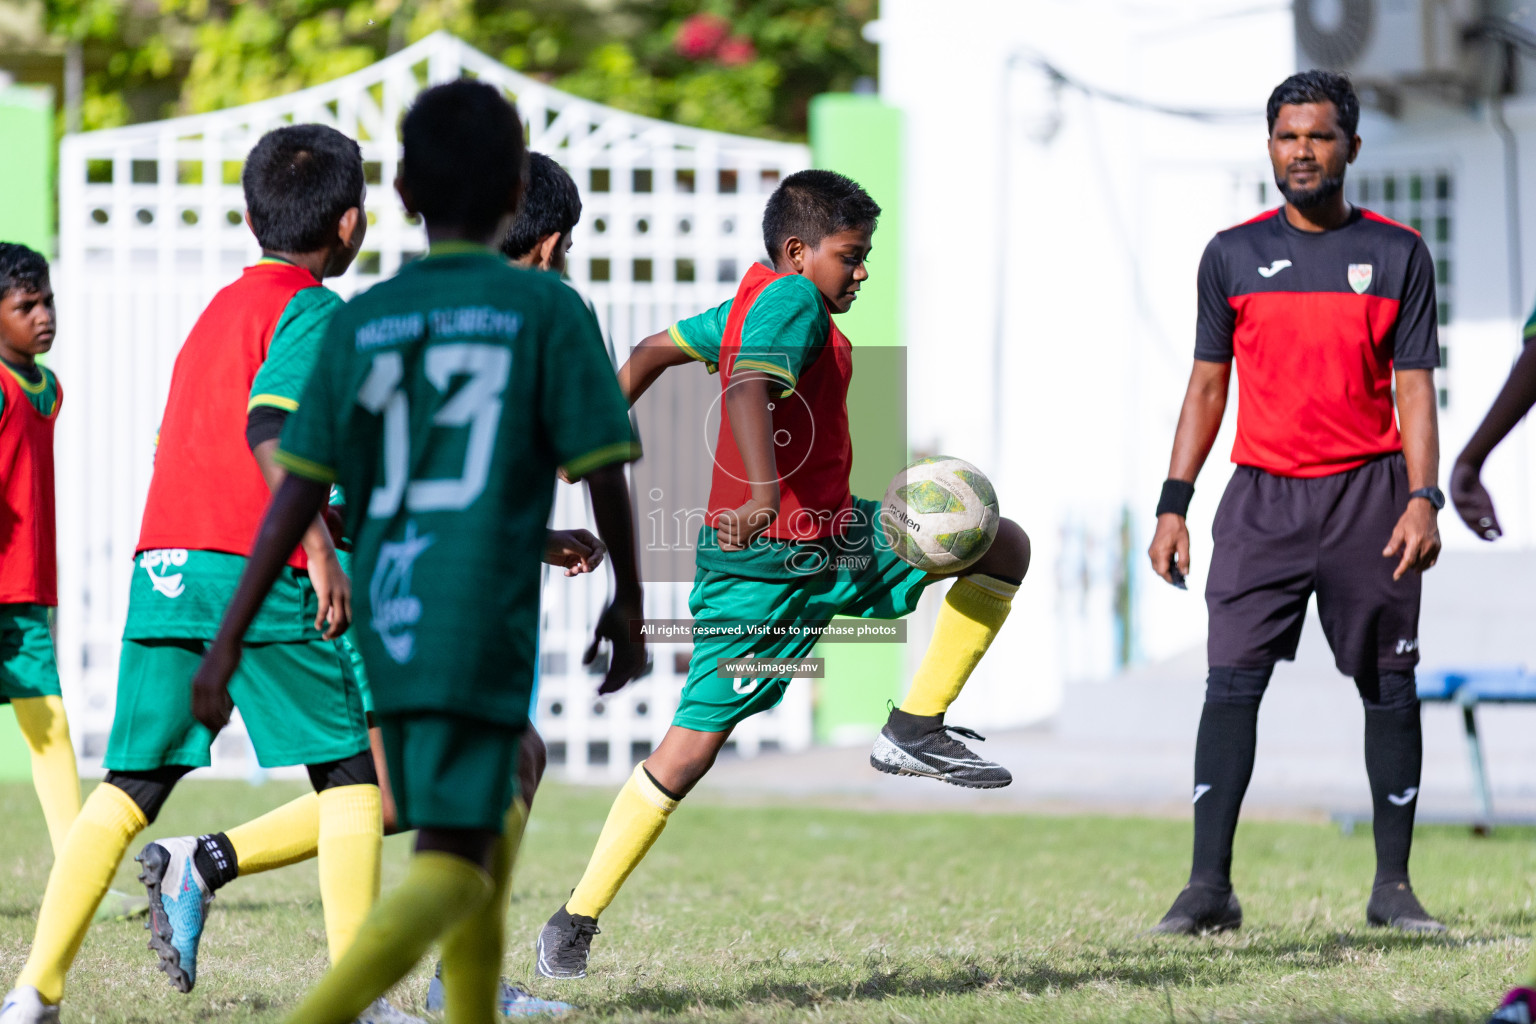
(443, 401)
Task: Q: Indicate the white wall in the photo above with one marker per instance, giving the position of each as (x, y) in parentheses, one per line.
(1095, 249)
(1106, 214)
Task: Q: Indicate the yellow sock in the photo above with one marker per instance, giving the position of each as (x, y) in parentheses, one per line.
(351, 842)
(280, 837)
(974, 610)
(473, 948)
(638, 815)
(54, 775)
(439, 890)
(81, 873)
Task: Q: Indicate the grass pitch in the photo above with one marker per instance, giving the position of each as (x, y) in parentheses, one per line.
(778, 914)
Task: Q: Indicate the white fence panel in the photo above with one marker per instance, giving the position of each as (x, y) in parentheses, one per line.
(151, 226)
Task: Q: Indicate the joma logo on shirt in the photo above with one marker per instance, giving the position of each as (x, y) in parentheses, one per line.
(167, 585)
(395, 608)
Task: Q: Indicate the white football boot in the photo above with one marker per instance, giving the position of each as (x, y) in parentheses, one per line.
(24, 1006)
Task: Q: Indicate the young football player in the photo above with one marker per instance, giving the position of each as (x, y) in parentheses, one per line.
(538, 239)
(1475, 506)
(779, 505)
(443, 400)
(29, 404)
(304, 194)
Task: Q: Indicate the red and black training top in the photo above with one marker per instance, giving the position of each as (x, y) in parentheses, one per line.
(1316, 322)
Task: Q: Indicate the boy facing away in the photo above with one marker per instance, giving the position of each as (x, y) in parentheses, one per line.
(30, 397)
(781, 518)
(443, 402)
(304, 194)
(538, 239)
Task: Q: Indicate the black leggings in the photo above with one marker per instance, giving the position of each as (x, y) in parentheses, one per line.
(150, 789)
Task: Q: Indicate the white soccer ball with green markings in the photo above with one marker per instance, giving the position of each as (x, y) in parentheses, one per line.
(940, 514)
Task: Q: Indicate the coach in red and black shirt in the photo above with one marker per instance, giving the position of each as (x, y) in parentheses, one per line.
(1318, 303)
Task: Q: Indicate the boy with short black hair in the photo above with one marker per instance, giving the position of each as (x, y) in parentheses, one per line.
(540, 235)
(779, 504)
(443, 402)
(252, 347)
(29, 405)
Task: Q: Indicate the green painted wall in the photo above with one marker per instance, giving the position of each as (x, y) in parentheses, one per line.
(861, 137)
(26, 172)
(26, 216)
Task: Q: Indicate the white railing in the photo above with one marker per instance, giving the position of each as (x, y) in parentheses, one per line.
(150, 226)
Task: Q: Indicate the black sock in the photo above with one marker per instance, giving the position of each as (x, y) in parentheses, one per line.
(909, 727)
(1394, 755)
(1223, 765)
(215, 860)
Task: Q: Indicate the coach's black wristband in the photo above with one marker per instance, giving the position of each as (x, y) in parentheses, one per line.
(1176, 497)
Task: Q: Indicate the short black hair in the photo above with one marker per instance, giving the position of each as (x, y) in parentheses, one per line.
(1317, 86)
(21, 269)
(464, 152)
(551, 206)
(298, 181)
(810, 205)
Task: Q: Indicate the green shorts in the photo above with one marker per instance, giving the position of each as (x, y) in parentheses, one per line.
(27, 664)
(353, 659)
(450, 771)
(871, 583)
(297, 700)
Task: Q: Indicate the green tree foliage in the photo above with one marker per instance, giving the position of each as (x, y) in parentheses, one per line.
(748, 66)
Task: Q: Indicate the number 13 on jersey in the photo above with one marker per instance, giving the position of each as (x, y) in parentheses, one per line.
(476, 406)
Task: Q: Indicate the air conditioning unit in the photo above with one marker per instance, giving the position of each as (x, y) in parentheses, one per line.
(1389, 44)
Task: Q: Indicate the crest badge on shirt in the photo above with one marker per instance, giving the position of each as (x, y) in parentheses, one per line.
(1359, 277)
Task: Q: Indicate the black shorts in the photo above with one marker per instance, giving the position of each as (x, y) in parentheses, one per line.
(1278, 539)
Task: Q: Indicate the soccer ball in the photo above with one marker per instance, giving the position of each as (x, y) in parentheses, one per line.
(940, 514)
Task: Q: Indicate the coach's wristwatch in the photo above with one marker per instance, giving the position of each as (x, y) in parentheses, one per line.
(1434, 495)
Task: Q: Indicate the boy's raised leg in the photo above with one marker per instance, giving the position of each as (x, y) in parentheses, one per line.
(915, 740)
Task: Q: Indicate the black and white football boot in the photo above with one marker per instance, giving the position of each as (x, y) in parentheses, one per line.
(922, 745)
(564, 944)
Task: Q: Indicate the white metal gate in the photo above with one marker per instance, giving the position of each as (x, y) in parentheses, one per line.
(151, 226)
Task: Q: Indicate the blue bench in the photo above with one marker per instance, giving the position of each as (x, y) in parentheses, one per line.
(1469, 688)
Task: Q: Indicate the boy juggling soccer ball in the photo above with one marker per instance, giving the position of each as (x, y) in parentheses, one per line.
(780, 501)
(1475, 506)
(304, 194)
(443, 401)
(29, 405)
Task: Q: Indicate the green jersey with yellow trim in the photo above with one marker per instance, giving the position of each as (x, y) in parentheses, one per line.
(443, 401)
(38, 383)
(785, 329)
(293, 350)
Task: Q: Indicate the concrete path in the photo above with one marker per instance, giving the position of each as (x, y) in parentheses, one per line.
(1126, 745)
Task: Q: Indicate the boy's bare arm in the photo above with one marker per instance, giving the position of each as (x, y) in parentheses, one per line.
(292, 511)
(647, 362)
(1473, 503)
(331, 584)
(747, 405)
(615, 518)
